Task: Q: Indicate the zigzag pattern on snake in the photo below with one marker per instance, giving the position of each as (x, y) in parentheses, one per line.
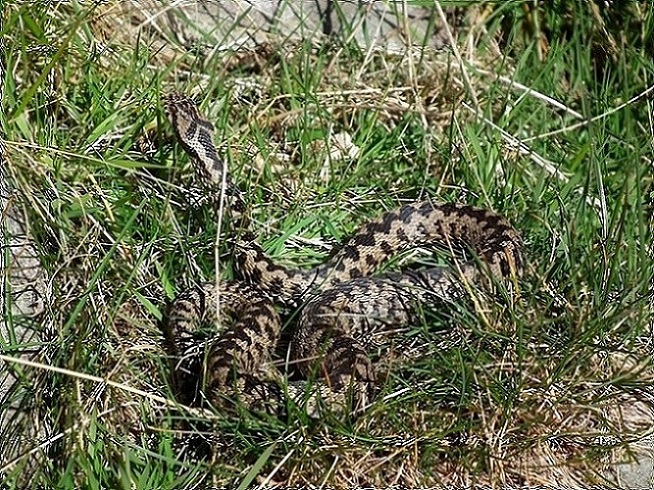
(345, 310)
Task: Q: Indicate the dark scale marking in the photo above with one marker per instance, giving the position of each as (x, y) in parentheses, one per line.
(401, 235)
(189, 133)
(254, 275)
(277, 284)
(426, 209)
(405, 215)
(363, 239)
(207, 126)
(387, 222)
(211, 153)
(354, 273)
(371, 261)
(352, 253)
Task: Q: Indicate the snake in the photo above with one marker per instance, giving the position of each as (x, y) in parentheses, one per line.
(343, 308)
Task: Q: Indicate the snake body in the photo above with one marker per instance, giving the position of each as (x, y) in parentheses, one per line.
(344, 309)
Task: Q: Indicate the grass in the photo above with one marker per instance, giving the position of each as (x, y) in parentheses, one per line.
(514, 389)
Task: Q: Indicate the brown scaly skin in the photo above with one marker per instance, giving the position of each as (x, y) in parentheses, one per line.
(344, 311)
(235, 358)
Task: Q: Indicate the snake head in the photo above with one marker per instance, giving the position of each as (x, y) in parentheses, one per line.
(193, 131)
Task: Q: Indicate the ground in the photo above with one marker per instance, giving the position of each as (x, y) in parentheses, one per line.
(547, 122)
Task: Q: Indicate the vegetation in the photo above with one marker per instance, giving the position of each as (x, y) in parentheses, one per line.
(552, 127)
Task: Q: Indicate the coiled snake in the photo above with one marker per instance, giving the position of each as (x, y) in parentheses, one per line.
(344, 311)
